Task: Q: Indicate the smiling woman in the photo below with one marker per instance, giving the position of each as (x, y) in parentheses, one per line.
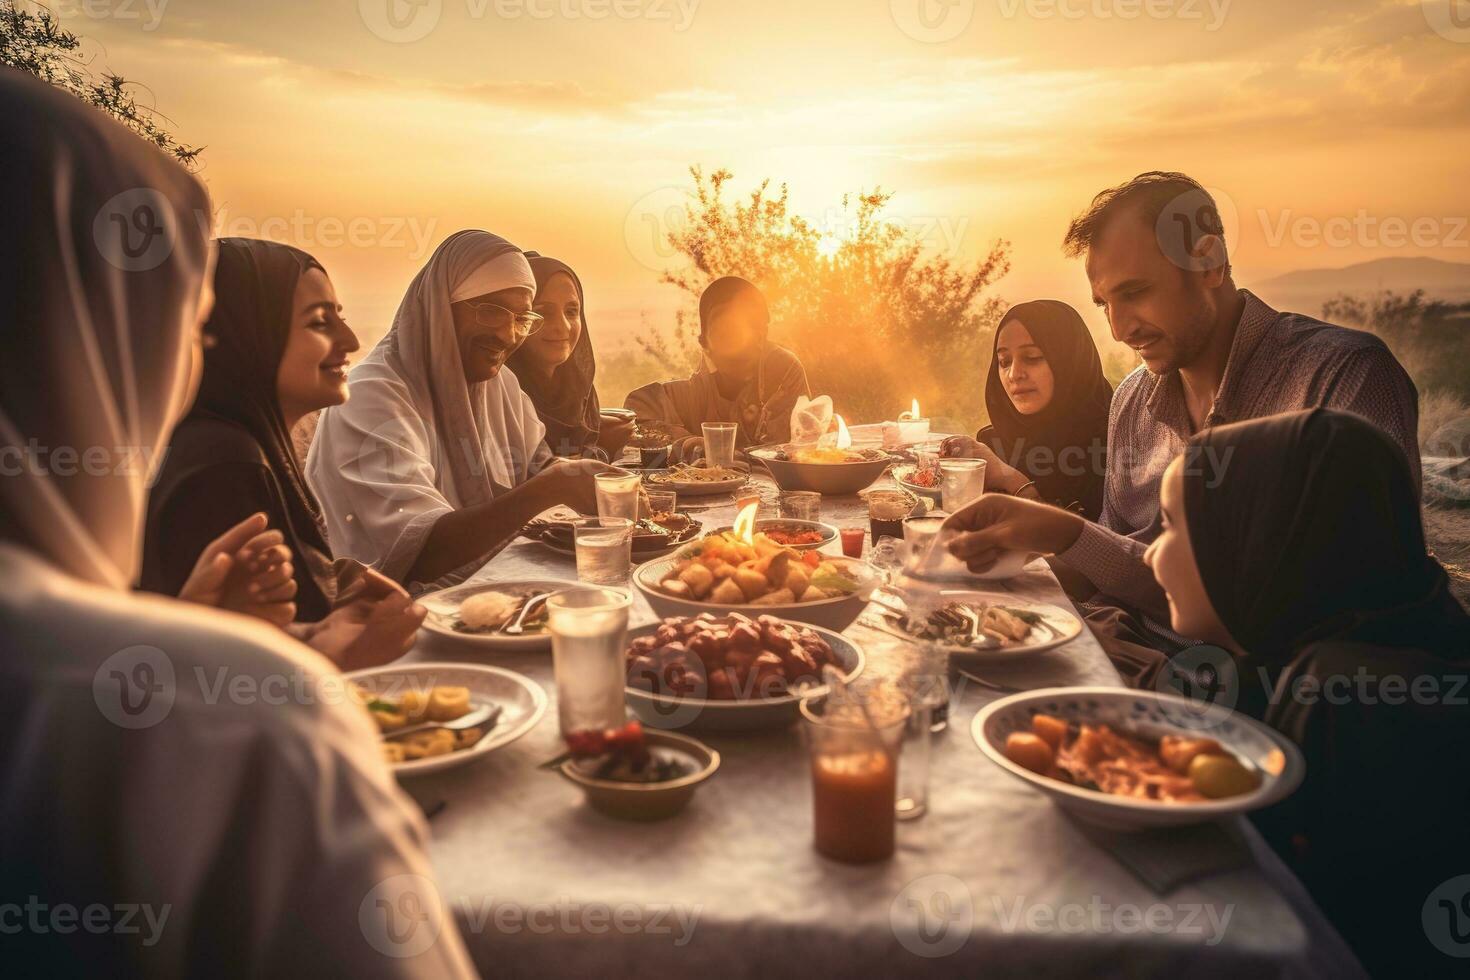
(557, 367)
(277, 350)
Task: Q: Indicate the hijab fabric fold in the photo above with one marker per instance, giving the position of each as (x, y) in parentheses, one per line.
(1306, 526)
(567, 404)
(102, 267)
(1064, 434)
(414, 440)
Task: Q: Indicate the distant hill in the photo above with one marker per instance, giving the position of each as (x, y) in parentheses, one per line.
(1305, 290)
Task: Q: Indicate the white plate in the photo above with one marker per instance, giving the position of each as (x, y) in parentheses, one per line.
(1148, 713)
(443, 609)
(1067, 626)
(521, 700)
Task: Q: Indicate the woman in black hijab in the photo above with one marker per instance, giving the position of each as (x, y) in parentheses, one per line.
(557, 369)
(1048, 404)
(276, 350)
(1295, 543)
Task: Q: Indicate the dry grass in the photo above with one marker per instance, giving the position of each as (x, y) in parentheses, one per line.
(1448, 532)
(1437, 409)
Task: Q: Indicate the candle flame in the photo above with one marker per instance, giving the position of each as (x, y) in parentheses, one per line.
(745, 522)
(844, 437)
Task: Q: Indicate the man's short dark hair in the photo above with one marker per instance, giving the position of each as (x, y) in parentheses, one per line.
(1150, 195)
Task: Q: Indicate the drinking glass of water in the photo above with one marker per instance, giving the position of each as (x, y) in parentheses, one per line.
(719, 443)
(663, 503)
(604, 548)
(962, 482)
(617, 494)
(589, 630)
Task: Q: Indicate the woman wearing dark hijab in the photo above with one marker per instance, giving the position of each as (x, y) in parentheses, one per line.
(556, 368)
(1048, 404)
(742, 378)
(277, 351)
(1295, 543)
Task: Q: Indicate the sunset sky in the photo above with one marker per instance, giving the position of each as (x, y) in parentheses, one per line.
(568, 125)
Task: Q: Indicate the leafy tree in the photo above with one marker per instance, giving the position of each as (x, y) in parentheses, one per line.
(33, 41)
(875, 319)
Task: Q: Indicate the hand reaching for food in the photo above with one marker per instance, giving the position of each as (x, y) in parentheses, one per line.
(997, 523)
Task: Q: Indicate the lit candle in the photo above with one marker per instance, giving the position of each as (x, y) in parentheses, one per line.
(912, 426)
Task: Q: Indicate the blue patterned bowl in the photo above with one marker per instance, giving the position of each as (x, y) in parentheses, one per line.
(1272, 754)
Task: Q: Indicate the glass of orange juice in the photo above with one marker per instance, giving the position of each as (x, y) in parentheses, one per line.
(854, 775)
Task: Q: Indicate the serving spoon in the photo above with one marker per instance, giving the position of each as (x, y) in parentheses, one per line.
(517, 625)
(481, 715)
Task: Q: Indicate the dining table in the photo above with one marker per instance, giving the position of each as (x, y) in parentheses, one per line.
(993, 880)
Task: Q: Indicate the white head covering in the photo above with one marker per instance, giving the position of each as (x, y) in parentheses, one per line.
(508, 270)
(414, 441)
(102, 265)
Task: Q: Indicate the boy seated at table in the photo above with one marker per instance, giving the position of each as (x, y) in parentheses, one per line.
(742, 377)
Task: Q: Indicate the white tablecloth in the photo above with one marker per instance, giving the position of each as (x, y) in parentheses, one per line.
(542, 885)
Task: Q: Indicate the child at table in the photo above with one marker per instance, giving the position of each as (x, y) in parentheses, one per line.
(1305, 559)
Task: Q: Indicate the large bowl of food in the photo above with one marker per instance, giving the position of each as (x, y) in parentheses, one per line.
(722, 573)
(1132, 760)
(731, 672)
(825, 469)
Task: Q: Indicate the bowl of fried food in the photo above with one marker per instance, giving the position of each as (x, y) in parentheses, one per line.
(1133, 760)
(722, 573)
(732, 672)
(825, 469)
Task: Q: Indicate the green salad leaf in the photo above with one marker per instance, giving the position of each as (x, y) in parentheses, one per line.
(829, 578)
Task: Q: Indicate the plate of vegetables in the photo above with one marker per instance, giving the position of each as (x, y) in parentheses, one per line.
(723, 573)
(1131, 760)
